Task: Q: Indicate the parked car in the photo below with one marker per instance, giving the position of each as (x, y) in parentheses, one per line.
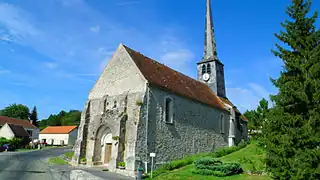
(9, 147)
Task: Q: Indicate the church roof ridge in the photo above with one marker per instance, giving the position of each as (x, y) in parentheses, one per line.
(165, 77)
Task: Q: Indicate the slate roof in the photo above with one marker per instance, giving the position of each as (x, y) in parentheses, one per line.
(58, 129)
(18, 131)
(164, 77)
(23, 123)
(227, 101)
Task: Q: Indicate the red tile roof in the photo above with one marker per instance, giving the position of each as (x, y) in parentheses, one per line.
(227, 101)
(164, 77)
(58, 129)
(19, 122)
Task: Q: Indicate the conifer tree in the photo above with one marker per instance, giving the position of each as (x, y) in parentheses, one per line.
(292, 129)
(34, 116)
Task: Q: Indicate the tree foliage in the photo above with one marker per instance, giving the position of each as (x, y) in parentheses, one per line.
(34, 116)
(292, 131)
(257, 116)
(62, 119)
(18, 111)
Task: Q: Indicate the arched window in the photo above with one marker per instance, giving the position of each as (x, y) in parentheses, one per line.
(105, 105)
(168, 110)
(209, 69)
(204, 69)
(222, 124)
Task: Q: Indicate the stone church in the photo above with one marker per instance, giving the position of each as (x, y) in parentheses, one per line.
(139, 106)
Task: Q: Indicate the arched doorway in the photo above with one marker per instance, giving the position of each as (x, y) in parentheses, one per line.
(103, 145)
(106, 144)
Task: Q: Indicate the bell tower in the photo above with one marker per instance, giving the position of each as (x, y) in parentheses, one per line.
(210, 68)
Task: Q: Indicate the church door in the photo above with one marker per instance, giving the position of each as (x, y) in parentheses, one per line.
(107, 156)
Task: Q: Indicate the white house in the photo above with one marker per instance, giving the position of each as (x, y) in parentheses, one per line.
(59, 135)
(11, 127)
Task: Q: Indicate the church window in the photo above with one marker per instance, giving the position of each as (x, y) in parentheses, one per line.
(115, 104)
(168, 110)
(222, 123)
(204, 69)
(209, 69)
(105, 105)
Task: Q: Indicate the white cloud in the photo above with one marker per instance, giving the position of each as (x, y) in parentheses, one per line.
(4, 71)
(247, 98)
(22, 84)
(177, 59)
(95, 29)
(69, 2)
(127, 3)
(16, 25)
(259, 90)
(82, 52)
(6, 37)
(51, 65)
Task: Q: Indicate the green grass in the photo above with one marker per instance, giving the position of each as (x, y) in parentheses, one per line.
(57, 161)
(250, 157)
(69, 154)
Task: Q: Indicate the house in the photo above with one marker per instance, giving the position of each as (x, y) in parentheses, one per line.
(59, 135)
(11, 127)
(139, 106)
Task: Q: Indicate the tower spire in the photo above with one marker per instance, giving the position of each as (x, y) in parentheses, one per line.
(210, 68)
(210, 50)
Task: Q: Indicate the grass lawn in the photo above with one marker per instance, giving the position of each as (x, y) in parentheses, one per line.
(250, 157)
(57, 161)
(69, 154)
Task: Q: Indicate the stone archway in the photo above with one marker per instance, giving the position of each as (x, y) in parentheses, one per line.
(103, 136)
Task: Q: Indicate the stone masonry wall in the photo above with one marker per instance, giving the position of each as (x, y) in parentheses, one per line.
(195, 128)
(107, 115)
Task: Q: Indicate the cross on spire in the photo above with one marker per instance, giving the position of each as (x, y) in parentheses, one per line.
(210, 50)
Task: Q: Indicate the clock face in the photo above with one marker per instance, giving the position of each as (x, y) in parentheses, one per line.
(206, 76)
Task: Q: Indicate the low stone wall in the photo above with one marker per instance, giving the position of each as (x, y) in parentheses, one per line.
(82, 175)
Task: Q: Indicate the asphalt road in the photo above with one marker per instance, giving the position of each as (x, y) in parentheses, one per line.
(34, 166)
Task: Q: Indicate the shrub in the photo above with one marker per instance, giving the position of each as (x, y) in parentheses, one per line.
(139, 102)
(176, 164)
(121, 164)
(16, 143)
(206, 161)
(228, 150)
(208, 172)
(211, 166)
(3, 141)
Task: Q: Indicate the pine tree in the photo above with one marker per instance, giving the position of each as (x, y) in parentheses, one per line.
(34, 116)
(292, 129)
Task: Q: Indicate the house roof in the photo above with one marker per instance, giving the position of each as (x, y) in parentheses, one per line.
(164, 77)
(18, 130)
(23, 123)
(58, 129)
(227, 101)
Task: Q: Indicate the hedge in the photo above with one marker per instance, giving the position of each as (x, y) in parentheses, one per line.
(211, 166)
(176, 164)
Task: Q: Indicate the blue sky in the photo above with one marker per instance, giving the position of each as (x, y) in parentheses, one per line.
(52, 51)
